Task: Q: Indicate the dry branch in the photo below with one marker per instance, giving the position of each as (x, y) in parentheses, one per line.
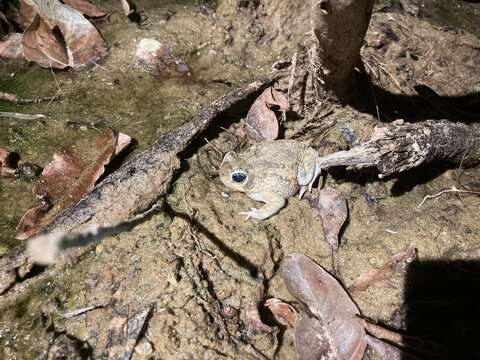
(401, 147)
(133, 188)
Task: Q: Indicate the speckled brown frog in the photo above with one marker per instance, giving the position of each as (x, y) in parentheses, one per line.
(271, 172)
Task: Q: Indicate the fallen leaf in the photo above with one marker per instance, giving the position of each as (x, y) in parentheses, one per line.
(65, 180)
(85, 7)
(25, 14)
(311, 342)
(157, 59)
(284, 313)
(326, 299)
(59, 36)
(44, 46)
(11, 47)
(255, 324)
(384, 349)
(377, 276)
(6, 166)
(333, 210)
(261, 123)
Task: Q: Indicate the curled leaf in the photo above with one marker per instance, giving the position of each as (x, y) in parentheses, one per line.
(261, 123)
(326, 299)
(59, 36)
(6, 166)
(255, 324)
(65, 180)
(85, 7)
(284, 313)
(377, 276)
(333, 210)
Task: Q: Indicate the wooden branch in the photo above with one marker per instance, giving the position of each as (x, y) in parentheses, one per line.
(133, 188)
(339, 27)
(401, 147)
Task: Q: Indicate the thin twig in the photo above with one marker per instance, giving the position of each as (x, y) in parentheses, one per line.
(214, 147)
(18, 116)
(452, 189)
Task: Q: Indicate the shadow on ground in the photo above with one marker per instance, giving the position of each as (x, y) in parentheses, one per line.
(442, 306)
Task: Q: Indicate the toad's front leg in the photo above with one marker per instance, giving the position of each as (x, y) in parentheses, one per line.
(273, 203)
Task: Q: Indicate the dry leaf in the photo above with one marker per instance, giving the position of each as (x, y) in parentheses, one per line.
(6, 166)
(44, 46)
(66, 180)
(384, 349)
(255, 324)
(158, 59)
(326, 299)
(85, 7)
(261, 123)
(377, 276)
(311, 342)
(284, 313)
(60, 36)
(333, 210)
(11, 47)
(25, 14)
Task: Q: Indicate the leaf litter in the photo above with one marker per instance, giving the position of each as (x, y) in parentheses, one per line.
(378, 276)
(67, 178)
(333, 210)
(333, 322)
(261, 123)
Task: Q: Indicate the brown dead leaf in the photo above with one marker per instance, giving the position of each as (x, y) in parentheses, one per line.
(377, 276)
(310, 340)
(326, 299)
(284, 313)
(65, 180)
(59, 36)
(25, 14)
(255, 325)
(333, 210)
(261, 123)
(85, 7)
(11, 47)
(44, 46)
(6, 166)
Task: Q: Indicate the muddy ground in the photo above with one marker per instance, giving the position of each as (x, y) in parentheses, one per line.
(198, 264)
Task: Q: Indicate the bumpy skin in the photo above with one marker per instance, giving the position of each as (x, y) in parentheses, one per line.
(271, 172)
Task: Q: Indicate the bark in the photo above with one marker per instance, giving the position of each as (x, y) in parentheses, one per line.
(133, 188)
(402, 147)
(339, 27)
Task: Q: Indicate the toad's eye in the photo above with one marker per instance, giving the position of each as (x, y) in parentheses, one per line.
(239, 177)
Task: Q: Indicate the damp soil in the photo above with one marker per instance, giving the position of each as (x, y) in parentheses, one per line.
(198, 263)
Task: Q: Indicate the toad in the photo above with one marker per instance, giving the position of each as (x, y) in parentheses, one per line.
(271, 172)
